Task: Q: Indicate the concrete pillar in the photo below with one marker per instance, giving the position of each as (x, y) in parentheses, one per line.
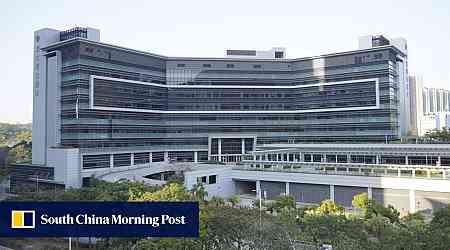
(349, 158)
(219, 148)
(413, 173)
(195, 156)
(166, 156)
(377, 159)
(369, 192)
(111, 161)
(336, 158)
(324, 158)
(287, 188)
(301, 157)
(162, 176)
(399, 172)
(150, 157)
(385, 171)
(438, 163)
(132, 159)
(332, 192)
(412, 201)
(406, 160)
(209, 148)
(243, 146)
(428, 173)
(444, 174)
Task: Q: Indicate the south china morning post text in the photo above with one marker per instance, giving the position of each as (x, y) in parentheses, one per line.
(114, 219)
(99, 219)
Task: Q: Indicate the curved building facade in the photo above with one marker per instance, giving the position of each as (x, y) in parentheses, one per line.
(117, 107)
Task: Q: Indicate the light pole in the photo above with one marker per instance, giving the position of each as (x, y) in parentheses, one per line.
(37, 183)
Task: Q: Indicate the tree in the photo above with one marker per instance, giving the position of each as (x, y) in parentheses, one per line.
(234, 200)
(439, 230)
(166, 244)
(389, 212)
(328, 207)
(169, 192)
(441, 135)
(284, 202)
(23, 136)
(361, 201)
(19, 154)
(199, 192)
(337, 230)
(216, 201)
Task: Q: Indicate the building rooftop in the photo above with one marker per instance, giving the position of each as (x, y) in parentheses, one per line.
(78, 39)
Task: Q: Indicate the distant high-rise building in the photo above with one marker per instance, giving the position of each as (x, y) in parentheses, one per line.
(416, 103)
(429, 107)
(435, 100)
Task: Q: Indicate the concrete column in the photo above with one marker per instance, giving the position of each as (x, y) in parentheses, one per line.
(150, 157)
(301, 157)
(219, 148)
(349, 158)
(412, 201)
(132, 159)
(195, 156)
(444, 174)
(166, 156)
(369, 192)
(413, 173)
(385, 171)
(336, 158)
(438, 163)
(348, 170)
(428, 173)
(377, 159)
(111, 161)
(406, 160)
(209, 148)
(399, 172)
(332, 192)
(287, 188)
(324, 158)
(243, 146)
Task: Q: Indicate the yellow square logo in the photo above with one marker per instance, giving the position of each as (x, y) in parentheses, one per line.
(22, 219)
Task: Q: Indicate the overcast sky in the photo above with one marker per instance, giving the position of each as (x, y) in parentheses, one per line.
(207, 28)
